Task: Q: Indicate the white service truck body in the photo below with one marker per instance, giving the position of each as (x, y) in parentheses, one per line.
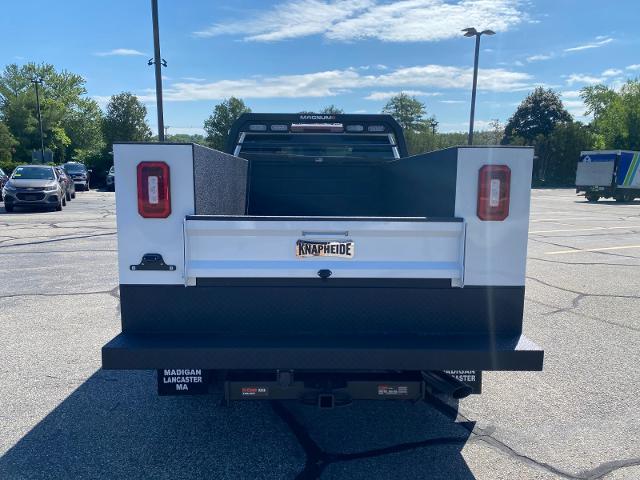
(347, 260)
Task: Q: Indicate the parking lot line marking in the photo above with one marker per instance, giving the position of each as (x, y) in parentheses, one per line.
(549, 213)
(556, 220)
(584, 229)
(602, 249)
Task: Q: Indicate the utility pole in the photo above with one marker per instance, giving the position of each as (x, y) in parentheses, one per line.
(472, 32)
(38, 81)
(166, 130)
(158, 62)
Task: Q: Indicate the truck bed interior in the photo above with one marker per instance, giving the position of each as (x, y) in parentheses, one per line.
(418, 186)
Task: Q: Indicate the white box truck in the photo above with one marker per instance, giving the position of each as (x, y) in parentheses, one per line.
(608, 174)
(315, 260)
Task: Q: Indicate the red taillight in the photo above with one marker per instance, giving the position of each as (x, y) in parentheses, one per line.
(154, 195)
(494, 184)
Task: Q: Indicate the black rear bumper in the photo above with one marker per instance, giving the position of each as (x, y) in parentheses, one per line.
(131, 351)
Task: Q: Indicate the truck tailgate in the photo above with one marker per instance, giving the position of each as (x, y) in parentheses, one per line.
(267, 247)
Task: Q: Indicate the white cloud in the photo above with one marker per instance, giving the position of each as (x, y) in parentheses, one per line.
(121, 52)
(193, 79)
(583, 79)
(611, 72)
(633, 67)
(400, 21)
(600, 41)
(452, 101)
(571, 93)
(539, 58)
(292, 19)
(575, 107)
(335, 82)
(574, 104)
(387, 95)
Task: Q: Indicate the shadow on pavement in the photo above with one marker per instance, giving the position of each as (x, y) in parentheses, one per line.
(115, 426)
(27, 209)
(608, 202)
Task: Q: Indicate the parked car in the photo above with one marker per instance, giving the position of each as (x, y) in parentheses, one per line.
(111, 179)
(3, 180)
(69, 185)
(79, 173)
(34, 185)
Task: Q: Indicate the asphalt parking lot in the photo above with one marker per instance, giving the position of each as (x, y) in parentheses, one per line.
(62, 417)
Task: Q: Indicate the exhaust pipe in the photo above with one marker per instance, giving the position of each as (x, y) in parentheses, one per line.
(446, 384)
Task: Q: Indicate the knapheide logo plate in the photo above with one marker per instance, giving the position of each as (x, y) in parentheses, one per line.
(341, 249)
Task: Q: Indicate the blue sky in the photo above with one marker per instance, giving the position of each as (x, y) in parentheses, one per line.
(305, 54)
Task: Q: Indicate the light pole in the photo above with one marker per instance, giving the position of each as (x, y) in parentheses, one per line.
(158, 62)
(472, 32)
(434, 124)
(38, 81)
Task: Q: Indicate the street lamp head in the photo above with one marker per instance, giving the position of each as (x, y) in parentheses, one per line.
(472, 32)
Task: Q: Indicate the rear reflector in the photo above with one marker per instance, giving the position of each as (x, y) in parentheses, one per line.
(154, 195)
(279, 128)
(494, 185)
(258, 128)
(375, 128)
(355, 128)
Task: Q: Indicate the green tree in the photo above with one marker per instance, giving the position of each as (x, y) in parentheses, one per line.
(495, 133)
(408, 111)
(616, 120)
(419, 130)
(7, 146)
(186, 138)
(219, 123)
(125, 120)
(83, 125)
(331, 110)
(557, 153)
(597, 99)
(538, 114)
(60, 92)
